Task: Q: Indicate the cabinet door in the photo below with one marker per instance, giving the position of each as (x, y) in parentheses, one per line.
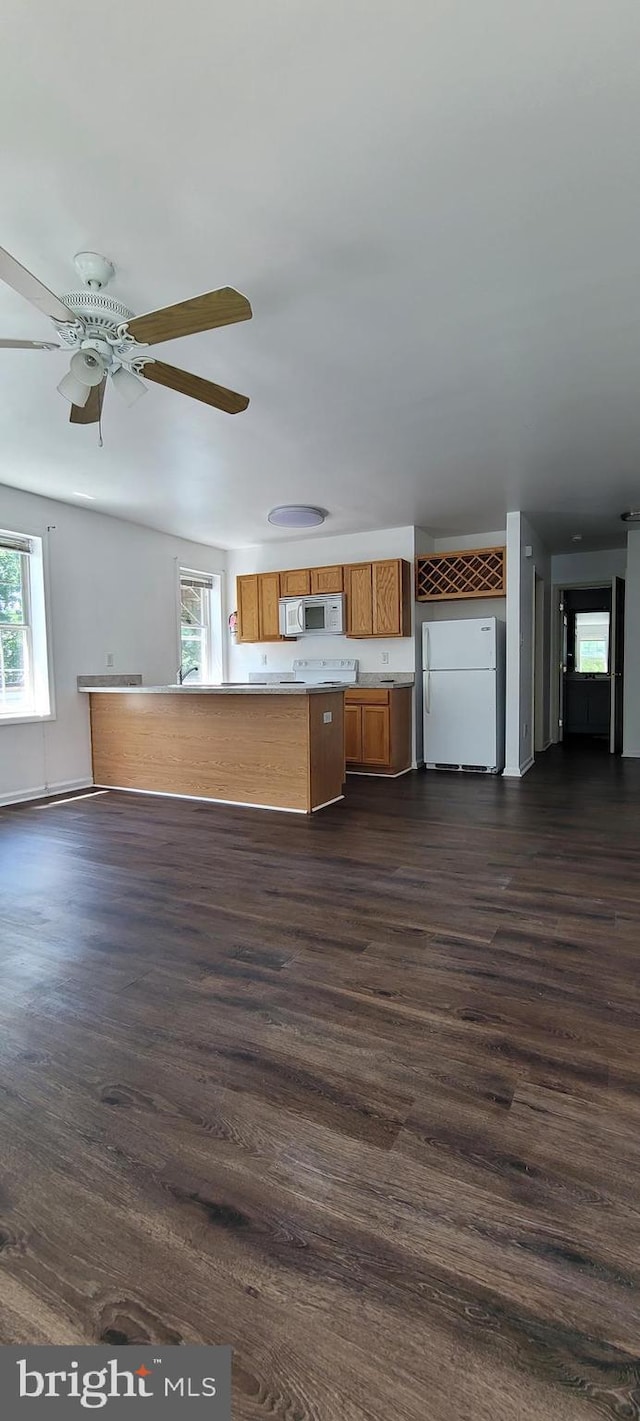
(295, 584)
(359, 590)
(326, 579)
(248, 614)
(375, 735)
(268, 594)
(388, 616)
(353, 733)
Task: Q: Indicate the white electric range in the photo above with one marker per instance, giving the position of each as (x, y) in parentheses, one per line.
(315, 672)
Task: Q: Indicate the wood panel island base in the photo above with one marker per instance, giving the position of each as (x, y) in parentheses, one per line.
(275, 749)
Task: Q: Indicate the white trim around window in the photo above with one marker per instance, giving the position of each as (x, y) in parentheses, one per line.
(199, 625)
(25, 679)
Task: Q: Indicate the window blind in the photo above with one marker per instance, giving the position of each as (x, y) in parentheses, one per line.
(15, 543)
(196, 579)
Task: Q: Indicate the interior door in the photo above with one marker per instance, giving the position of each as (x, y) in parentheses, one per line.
(617, 665)
(562, 665)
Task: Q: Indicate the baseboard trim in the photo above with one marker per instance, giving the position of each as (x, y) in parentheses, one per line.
(381, 774)
(209, 799)
(43, 792)
(518, 773)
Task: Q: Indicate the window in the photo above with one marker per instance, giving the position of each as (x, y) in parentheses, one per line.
(24, 678)
(592, 643)
(196, 641)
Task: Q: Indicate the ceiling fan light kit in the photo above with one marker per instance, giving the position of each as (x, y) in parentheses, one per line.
(88, 366)
(129, 386)
(73, 390)
(108, 341)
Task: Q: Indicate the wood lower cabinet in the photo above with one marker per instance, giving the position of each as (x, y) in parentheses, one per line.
(326, 579)
(258, 611)
(378, 730)
(296, 584)
(352, 732)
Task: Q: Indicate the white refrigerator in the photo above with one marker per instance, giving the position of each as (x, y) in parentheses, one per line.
(463, 694)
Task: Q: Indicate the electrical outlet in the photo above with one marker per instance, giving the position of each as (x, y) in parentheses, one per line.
(385, 658)
(263, 659)
(109, 658)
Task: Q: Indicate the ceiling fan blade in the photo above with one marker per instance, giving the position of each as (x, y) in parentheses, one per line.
(202, 313)
(89, 413)
(28, 286)
(29, 345)
(195, 386)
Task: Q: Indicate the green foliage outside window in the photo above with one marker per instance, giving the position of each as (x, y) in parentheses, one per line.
(12, 618)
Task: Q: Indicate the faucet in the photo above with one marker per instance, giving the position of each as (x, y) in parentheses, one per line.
(183, 675)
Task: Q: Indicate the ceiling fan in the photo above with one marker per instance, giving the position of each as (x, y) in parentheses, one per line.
(110, 343)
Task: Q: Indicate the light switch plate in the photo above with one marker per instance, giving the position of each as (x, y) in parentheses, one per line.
(110, 658)
(328, 717)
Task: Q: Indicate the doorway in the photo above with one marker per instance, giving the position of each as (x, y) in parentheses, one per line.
(591, 630)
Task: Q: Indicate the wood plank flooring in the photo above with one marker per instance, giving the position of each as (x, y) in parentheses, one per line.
(359, 1095)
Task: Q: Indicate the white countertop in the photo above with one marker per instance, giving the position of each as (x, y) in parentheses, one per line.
(230, 688)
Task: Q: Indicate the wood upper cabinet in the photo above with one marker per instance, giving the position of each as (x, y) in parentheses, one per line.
(258, 611)
(326, 579)
(296, 584)
(248, 612)
(378, 598)
(391, 597)
(358, 585)
(268, 595)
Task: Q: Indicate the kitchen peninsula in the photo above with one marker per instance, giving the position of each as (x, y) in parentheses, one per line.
(271, 747)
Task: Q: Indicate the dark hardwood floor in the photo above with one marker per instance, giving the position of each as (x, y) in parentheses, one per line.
(358, 1094)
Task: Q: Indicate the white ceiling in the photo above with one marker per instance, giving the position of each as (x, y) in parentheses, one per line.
(434, 209)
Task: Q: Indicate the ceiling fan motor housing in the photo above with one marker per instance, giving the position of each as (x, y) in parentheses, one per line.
(100, 325)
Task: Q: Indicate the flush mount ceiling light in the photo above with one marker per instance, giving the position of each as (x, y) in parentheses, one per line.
(296, 515)
(631, 516)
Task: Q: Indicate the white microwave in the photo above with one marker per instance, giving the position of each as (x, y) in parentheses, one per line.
(312, 616)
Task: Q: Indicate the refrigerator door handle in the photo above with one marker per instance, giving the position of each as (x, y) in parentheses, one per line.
(427, 649)
(427, 692)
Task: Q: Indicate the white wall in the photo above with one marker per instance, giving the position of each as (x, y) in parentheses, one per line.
(631, 645)
(319, 552)
(568, 568)
(521, 573)
(111, 589)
